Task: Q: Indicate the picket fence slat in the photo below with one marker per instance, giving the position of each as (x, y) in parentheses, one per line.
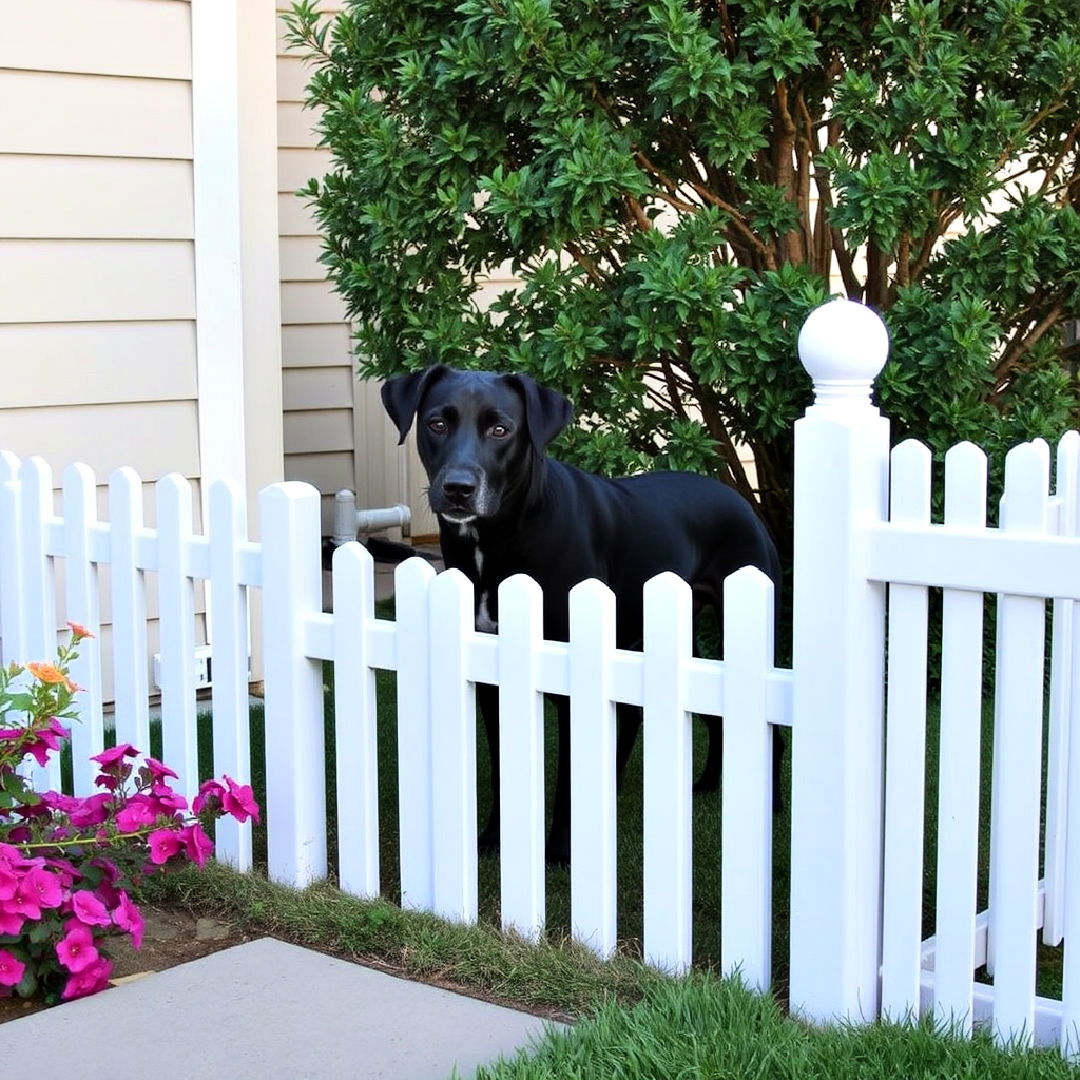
(668, 779)
(355, 723)
(521, 758)
(228, 610)
(747, 810)
(959, 753)
(1017, 768)
(905, 751)
(82, 598)
(39, 578)
(295, 742)
(176, 611)
(453, 747)
(1062, 690)
(411, 581)
(592, 767)
(130, 675)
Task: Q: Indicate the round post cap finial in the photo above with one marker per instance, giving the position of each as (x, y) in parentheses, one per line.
(843, 345)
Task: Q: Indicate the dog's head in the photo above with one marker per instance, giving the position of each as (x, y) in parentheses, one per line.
(479, 434)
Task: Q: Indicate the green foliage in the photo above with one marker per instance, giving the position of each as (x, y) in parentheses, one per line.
(677, 184)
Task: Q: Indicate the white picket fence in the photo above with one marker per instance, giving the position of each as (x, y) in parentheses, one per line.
(857, 838)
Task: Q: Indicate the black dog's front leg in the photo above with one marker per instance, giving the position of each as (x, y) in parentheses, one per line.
(487, 697)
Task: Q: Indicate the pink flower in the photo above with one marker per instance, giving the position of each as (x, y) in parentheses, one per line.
(211, 792)
(38, 889)
(9, 881)
(240, 801)
(11, 969)
(198, 845)
(76, 949)
(157, 770)
(91, 810)
(115, 755)
(90, 980)
(11, 922)
(167, 799)
(138, 812)
(164, 844)
(128, 917)
(89, 909)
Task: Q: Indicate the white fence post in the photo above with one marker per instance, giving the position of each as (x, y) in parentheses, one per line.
(295, 741)
(841, 486)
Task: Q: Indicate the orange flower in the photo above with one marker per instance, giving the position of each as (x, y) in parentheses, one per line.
(50, 673)
(47, 673)
(80, 632)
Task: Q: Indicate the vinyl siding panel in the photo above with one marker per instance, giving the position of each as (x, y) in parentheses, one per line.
(87, 281)
(318, 431)
(297, 166)
(96, 198)
(106, 37)
(305, 302)
(155, 438)
(300, 259)
(316, 346)
(49, 364)
(94, 115)
(317, 388)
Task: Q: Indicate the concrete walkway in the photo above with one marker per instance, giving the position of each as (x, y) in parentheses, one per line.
(265, 1010)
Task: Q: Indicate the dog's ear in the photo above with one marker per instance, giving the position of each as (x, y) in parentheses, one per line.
(402, 395)
(547, 412)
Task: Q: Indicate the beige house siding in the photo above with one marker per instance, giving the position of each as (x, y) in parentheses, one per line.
(336, 432)
(101, 258)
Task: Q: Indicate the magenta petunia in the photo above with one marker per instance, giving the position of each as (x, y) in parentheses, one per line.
(164, 844)
(76, 949)
(138, 813)
(91, 810)
(11, 922)
(127, 916)
(90, 980)
(89, 909)
(115, 754)
(167, 799)
(198, 845)
(210, 794)
(240, 801)
(157, 770)
(11, 969)
(38, 889)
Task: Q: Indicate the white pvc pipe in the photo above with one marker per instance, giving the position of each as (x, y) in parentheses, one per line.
(350, 522)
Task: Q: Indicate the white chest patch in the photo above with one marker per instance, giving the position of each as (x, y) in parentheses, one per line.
(484, 622)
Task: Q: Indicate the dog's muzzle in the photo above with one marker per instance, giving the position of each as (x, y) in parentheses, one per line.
(460, 494)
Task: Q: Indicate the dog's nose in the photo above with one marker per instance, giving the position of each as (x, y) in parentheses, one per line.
(459, 489)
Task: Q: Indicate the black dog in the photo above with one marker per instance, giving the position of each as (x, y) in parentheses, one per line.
(505, 508)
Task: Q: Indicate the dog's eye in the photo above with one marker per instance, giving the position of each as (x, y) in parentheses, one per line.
(437, 426)
(499, 431)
